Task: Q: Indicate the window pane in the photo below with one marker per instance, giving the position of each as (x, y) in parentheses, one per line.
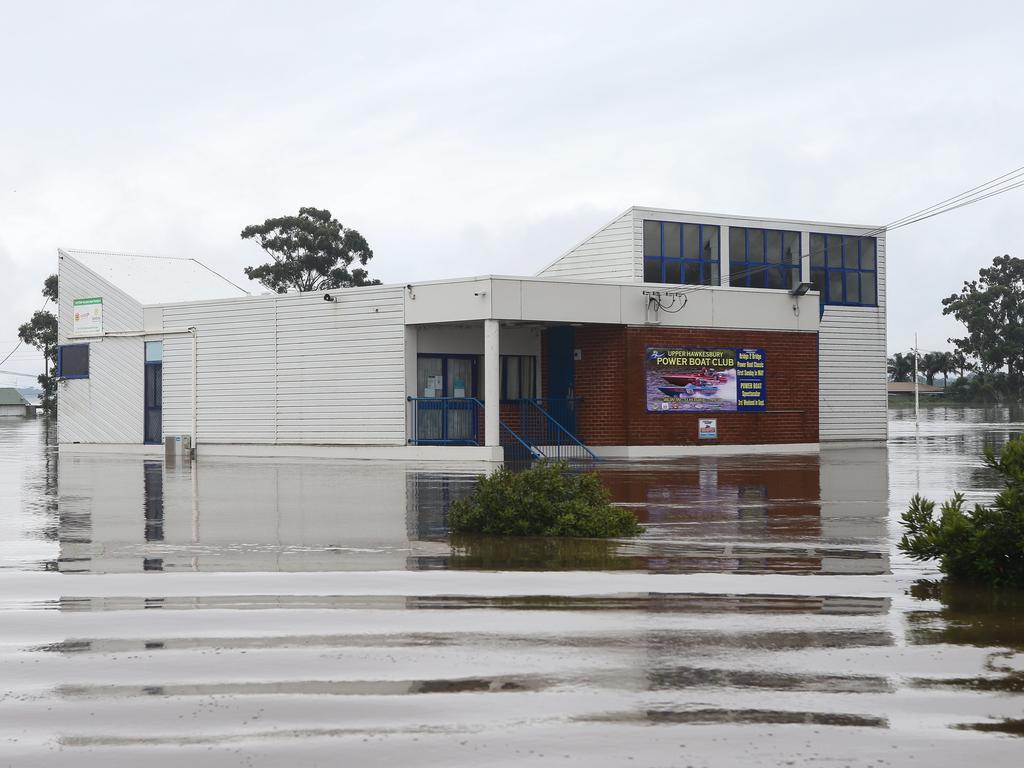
(867, 253)
(737, 276)
(774, 246)
(755, 245)
(711, 276)
(512, 378)
(737, 245)
(709, 243)
(775, 279)
(850, 245)
(74, 360)
(835, 287)
(428, 377)
(652, 238)
(852, 288)
(691, 273)
(818, 280)
(673, 272)
(652, 270)
(670, 239)
(834, 243)
(154, 351)
(528, 377)
(791, 248)
(867, 288)
(691, 241)
(817, 250)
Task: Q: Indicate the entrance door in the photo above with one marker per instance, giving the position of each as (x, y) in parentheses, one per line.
(562, 376)
(153, 397)
(444, 412)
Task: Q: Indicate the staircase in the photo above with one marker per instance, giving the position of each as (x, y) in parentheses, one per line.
(533, 433)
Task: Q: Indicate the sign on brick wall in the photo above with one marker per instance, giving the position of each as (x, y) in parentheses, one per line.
(694, 380)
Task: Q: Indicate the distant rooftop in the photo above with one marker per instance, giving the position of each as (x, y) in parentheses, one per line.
(157, 279)
(11, 396)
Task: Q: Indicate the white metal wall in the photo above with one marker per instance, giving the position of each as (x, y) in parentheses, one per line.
(290, 369)
(107, 407)
(853, 402)
(608, 254)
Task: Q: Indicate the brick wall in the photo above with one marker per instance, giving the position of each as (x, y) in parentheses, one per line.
(610, 379)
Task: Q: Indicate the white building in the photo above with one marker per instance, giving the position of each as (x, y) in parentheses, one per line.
(663, 333)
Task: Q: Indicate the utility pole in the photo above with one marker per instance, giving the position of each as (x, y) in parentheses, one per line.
(917, 396)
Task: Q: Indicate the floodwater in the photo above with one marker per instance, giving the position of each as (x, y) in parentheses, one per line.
(315, 613)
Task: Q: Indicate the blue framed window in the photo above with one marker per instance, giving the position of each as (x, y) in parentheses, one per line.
(844, 268)
(73, 361)
(679, 253)
(764, 258)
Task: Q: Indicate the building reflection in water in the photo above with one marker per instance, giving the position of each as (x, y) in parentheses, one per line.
(806, 514)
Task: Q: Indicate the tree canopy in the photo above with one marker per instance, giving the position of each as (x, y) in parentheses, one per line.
(991, 308)
(41, 332)
(310, 252)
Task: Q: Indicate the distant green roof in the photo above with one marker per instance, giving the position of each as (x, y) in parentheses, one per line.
(11, 396)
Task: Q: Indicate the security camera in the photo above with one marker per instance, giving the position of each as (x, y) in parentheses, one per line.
(328, 297)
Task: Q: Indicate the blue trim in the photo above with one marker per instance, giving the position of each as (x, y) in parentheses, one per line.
(704, 270)
(825, 289)
(755, 274)
(60, 362)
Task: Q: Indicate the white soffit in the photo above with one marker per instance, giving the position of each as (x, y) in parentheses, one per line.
(158, 279)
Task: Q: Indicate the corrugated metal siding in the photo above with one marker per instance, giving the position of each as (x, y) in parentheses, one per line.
(291, 369)
(852, 368)
(606, 255)
(106, 407)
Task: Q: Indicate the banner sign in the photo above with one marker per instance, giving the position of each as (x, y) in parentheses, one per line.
(693, 380)
(707, 429)
(88, 317)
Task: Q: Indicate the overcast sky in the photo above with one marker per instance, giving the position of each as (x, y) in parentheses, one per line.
(481, 137)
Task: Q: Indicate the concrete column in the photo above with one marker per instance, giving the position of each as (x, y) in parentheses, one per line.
(723, 255)
(805, 256)
(492, 384)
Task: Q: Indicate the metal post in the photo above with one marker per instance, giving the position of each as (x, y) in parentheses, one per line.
(195, 385)
(492, 384)
(917, 396)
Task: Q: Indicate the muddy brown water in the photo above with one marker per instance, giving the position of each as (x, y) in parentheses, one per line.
(315, 613)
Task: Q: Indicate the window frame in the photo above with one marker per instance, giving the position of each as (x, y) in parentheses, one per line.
(824, 287)
(682, 260)
(60, 362)
(747, 267)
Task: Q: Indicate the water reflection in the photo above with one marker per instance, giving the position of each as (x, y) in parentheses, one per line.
(799, 514)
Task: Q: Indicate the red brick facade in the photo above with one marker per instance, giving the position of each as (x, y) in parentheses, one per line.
(610, 382)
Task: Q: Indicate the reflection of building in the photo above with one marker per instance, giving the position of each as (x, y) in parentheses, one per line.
(458, 369)
(129, 515)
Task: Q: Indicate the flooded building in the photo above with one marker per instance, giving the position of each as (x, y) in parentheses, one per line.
(664, 333)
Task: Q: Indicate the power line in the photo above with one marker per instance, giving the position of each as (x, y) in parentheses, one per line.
(997, 186)
(18, 345)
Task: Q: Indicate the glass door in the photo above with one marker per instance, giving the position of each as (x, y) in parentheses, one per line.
(153, 396)
(429, 385)
(459, 384)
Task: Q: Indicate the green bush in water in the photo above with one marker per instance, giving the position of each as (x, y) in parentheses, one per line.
(984, 545)
(544, 500)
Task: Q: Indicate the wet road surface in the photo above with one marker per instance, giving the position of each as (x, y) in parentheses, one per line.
(315, 613)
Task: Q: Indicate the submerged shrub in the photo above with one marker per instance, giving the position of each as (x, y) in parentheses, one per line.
(983, 545)
(544, 500)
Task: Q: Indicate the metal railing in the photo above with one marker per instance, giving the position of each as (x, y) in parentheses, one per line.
(534, 433)
(548, 435)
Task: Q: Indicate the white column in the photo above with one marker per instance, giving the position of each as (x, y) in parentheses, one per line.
(492, 384)
(723, 256)
(805, 256)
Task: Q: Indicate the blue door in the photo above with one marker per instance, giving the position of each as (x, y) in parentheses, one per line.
(562, 376)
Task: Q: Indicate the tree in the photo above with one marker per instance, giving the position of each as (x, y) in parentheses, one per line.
(991, 308)
(41, 332)
(901, 366)
(310, 252)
